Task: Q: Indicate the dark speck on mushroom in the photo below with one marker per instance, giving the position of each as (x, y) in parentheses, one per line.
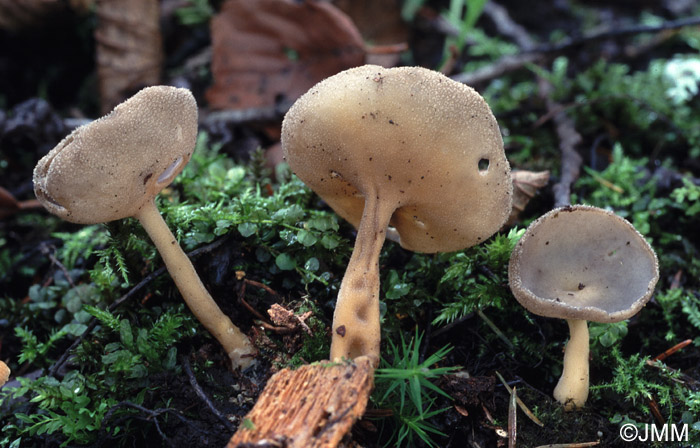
(581, 286)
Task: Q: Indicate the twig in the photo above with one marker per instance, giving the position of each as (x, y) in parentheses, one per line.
(569, 138)
(670, 351)
(218, 118)
(241, 116)
(615, 32)
(512, 418)
(520, 402)
(570, 445)
(152, 415)
(200, 393)
(502, 66)
(93, 322)
(508, 27)
(495, 329)
(131, 293)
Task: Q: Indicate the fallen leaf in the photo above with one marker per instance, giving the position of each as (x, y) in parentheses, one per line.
(270, 51)
(129, 48)
(16, 15)
(381, 26)
(9, 205)
(525, 186)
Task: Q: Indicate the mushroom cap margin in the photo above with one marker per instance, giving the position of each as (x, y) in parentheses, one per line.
(587, 270)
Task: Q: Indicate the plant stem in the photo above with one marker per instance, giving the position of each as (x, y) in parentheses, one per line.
(196, 296)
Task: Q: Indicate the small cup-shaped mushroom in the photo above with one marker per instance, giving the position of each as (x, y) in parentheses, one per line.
(114, 167)
(403, 148)
(4, 373)
(582, 263)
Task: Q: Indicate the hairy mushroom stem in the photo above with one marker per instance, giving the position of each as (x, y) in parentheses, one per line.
(356, 329)
(572, 388)
(196, 296)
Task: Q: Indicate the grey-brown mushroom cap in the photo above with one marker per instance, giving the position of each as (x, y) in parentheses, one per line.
(411, 136)
(583, 262)
(108, 169)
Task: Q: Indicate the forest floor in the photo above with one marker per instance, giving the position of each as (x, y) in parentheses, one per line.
(597, 103)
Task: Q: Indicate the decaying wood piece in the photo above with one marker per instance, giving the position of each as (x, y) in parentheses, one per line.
(129, 48)
(313, 406)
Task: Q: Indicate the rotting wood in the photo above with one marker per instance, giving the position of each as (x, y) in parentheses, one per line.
(311, 407)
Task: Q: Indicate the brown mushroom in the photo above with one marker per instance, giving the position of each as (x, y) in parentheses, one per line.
(403, 147)
(4, 373)
(114, 167)
(582, 263)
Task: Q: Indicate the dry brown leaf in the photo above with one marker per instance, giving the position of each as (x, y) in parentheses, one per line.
(15, 15)
(525, 186)
(9, 205)
(265, 51)
(380, 24)
(129, 48)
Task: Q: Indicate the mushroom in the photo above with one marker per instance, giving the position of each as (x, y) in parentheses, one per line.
(114, 167)
(4, 373)
(582, 263)
(403, 147)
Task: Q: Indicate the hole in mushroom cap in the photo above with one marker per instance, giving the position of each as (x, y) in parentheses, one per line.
(169, 171)
(483, 166)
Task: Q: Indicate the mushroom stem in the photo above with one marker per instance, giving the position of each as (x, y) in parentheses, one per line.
(572, 389)
(237, 345)
(356, 329)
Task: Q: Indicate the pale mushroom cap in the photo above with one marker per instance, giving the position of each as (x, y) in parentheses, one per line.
(108, 169)
(583, 262)
(411, 136)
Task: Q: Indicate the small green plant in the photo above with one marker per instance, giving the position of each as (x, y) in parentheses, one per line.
(405, 384)
(687, 197)
(478, 277)
(462, 14)
(115, 365)
(196, 12)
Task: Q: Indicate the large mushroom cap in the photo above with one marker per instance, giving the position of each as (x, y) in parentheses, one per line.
(583, 262)
(109, 168)
(411, 136)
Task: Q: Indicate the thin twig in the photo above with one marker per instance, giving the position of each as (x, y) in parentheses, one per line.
(569, 138)
(512, 418)
(570, 445)
(152, 416)
(500, 67)
(616, 32)
(202, 396)
(93, 321)
(130, 294)
(520, 402)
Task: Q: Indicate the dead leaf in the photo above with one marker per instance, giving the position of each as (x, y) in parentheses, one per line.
(381, 25)
(16, 15)
(268, 51)
(129, 48)
(525, 186)
(9, 205)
